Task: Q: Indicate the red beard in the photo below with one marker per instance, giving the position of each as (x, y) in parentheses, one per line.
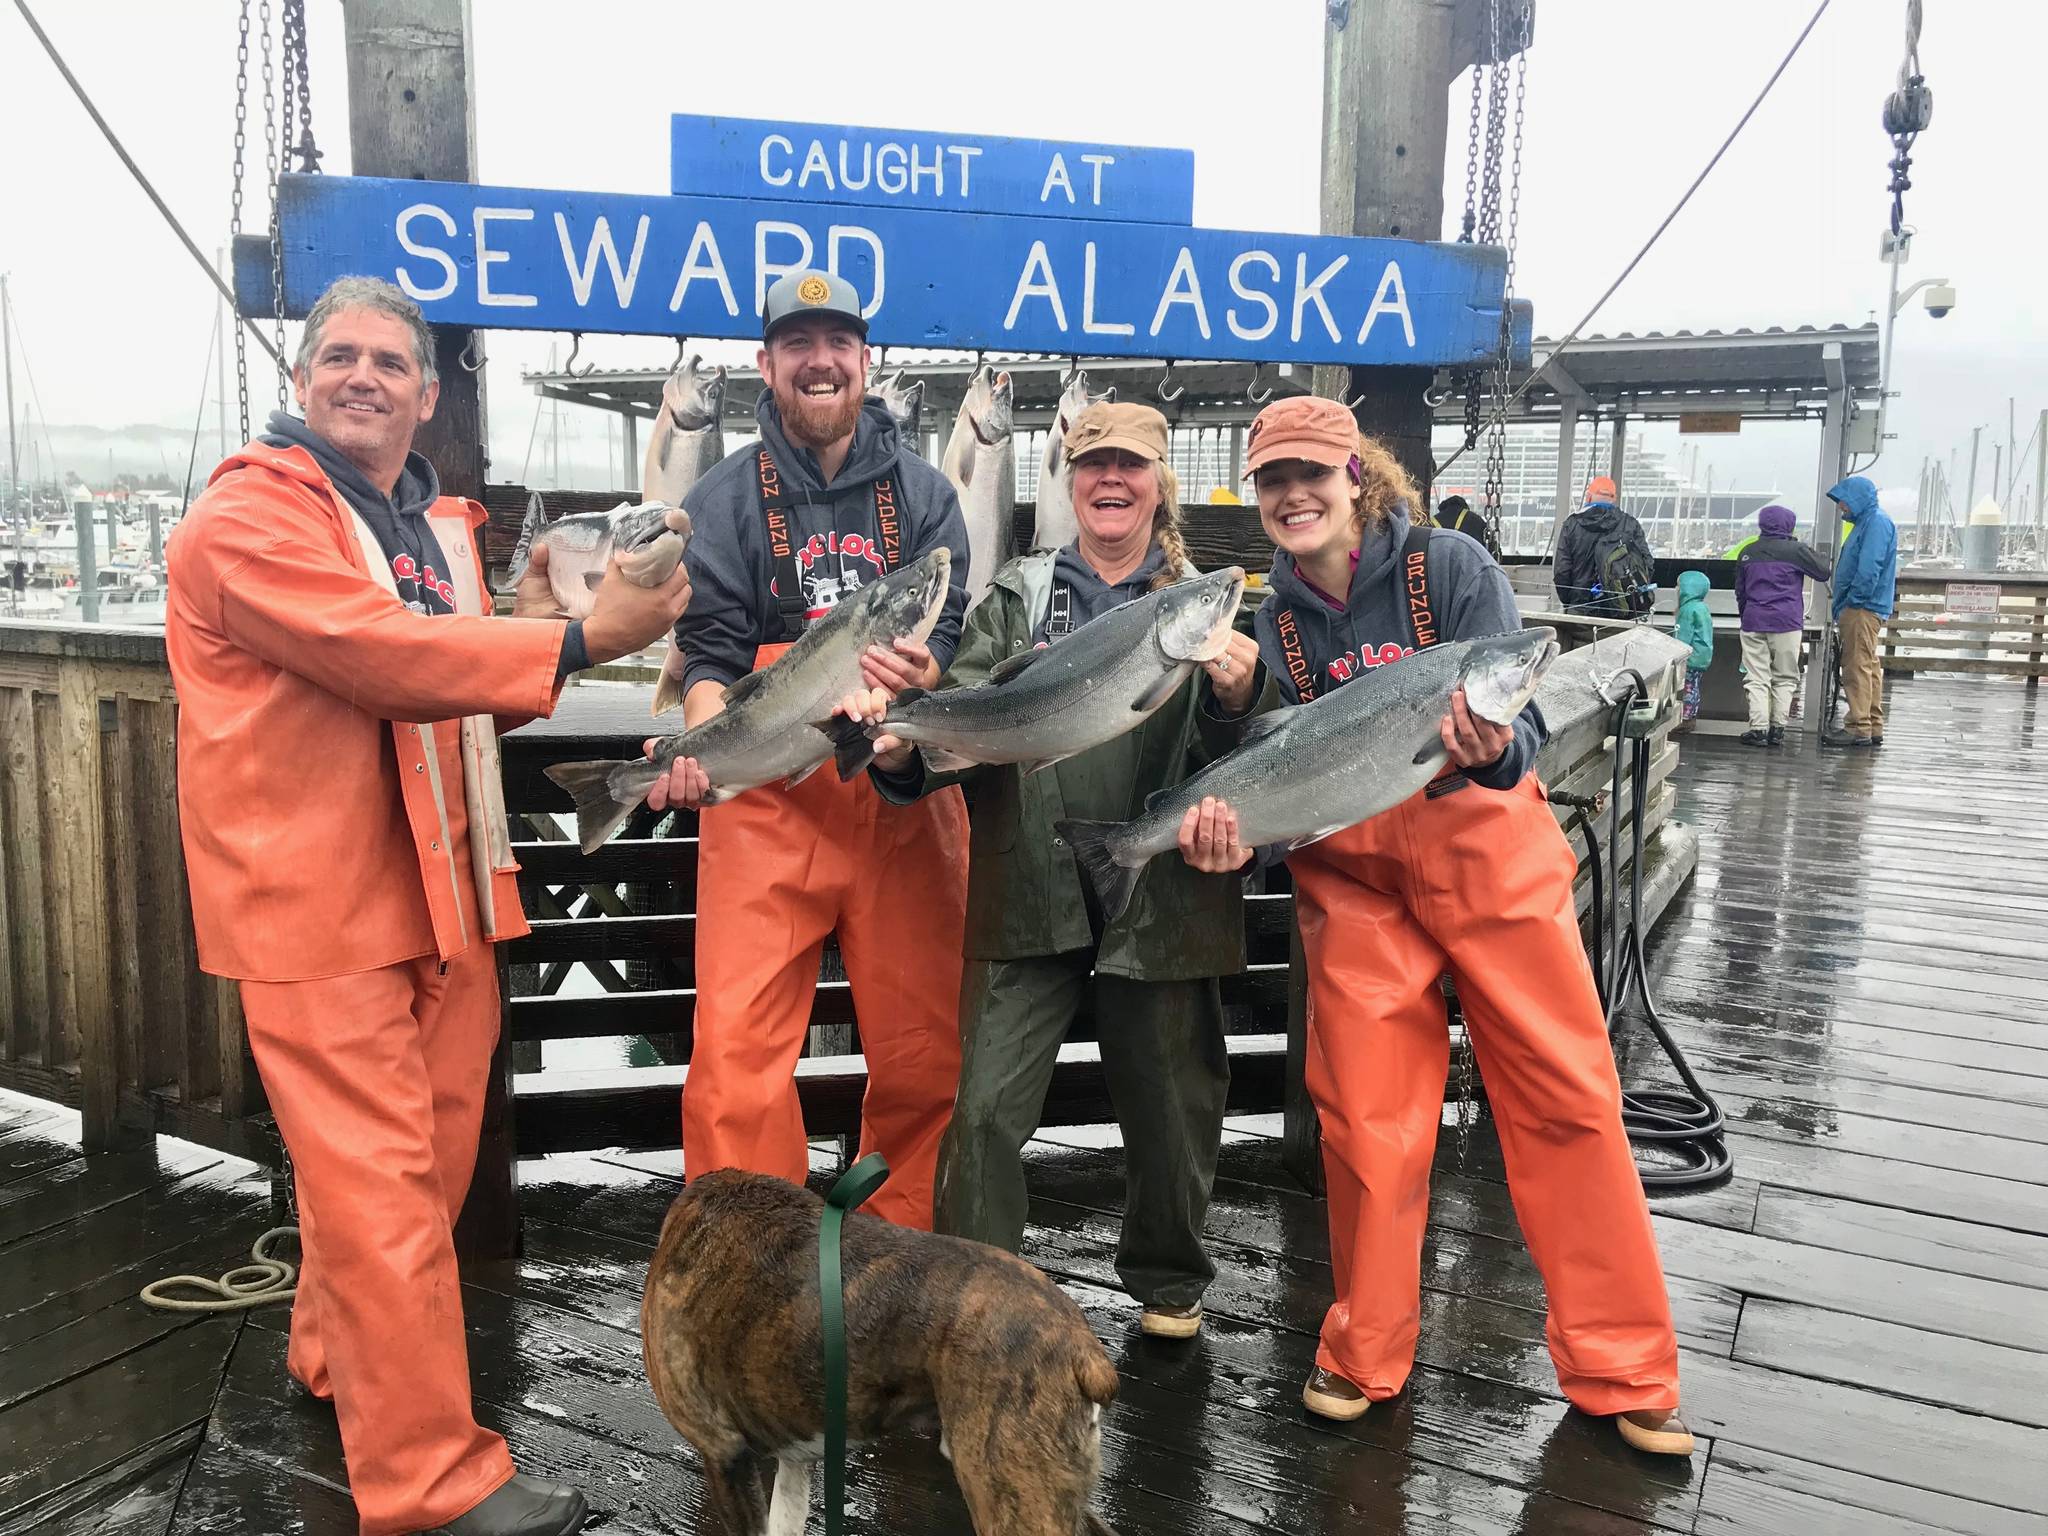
(816, 423)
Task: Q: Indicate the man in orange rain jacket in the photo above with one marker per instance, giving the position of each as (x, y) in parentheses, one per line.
(349, 860)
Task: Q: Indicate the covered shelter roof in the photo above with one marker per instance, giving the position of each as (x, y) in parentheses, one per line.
(1778, 373)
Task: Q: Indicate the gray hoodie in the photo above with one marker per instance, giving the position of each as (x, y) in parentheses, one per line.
(733, 611)
(1468, 592)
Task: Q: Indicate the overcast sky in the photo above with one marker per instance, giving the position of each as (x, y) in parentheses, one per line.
(1626, 99)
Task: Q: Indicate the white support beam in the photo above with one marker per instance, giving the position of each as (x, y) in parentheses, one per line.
(1826, 524)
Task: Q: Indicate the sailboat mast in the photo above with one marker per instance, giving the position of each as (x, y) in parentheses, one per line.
(13, 455)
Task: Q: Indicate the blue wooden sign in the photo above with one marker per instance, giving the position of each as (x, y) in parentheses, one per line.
(521, 259)
(901, 168)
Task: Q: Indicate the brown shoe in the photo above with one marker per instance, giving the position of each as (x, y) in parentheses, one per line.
(1657, 1434)
(1330, 1396)
(1172, 1322)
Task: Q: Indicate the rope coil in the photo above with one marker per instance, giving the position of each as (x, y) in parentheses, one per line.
(264, 1279)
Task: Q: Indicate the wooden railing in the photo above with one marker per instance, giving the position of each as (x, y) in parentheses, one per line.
(1992, 622)
(102, 1004)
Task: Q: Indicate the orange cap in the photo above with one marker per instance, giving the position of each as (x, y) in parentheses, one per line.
(1602, 489)
(1302, 427)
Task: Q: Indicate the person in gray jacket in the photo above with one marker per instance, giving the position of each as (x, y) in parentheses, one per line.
(825, 502)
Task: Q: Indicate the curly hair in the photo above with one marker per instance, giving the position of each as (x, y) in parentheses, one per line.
(1383, 484)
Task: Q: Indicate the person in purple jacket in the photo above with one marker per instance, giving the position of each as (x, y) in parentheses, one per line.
(1770, 595)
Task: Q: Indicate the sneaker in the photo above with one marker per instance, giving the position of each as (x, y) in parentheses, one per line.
(1844, 740)
(526, 1506)
(1775, 737)
(1755, 739)
(1330, 1396)
(1656, 1434)
(1172, 1322)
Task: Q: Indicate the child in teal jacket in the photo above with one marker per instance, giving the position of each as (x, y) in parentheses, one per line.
(1694, 626)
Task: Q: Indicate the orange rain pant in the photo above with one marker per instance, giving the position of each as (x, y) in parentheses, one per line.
(377, 1082)
(1478, 882)
(777, 871)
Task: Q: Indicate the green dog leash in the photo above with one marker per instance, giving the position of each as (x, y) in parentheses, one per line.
(854, 1186)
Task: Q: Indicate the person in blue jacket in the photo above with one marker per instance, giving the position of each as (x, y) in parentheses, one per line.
(1695, 626)
(1865, 577)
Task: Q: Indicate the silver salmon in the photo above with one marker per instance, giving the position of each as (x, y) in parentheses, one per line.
(1313, 770)
(1056, 526)
(648, 539)
(767, 728)
(1046, 705)
(981, 461)
(685, 441)
(904, 403)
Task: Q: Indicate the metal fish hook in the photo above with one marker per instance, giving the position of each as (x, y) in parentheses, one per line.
(1434, 397)
(570, 368)
(1167, 378)
(682, 350)
(1073, 370)
(471, 349)
(1252, 391)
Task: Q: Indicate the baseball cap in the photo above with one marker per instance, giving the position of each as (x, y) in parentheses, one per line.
(1601, 489)
(1118, 424)
(1302, 427)
(796, 294)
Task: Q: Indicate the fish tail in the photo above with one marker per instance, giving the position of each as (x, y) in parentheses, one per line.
(530, 528)
(1113, 882)
(606, 793)
(852, 751)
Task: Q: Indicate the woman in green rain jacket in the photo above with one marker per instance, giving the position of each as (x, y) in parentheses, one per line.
(1034, 929)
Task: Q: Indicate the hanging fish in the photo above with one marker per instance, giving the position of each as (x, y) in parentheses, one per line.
(981, 461)
(904, 403)
(1056, 525)
(682, 447)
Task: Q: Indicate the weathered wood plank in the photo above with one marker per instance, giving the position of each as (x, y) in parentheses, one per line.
(1960, 1305)
(163, 918)
(132, 1496)
(1910, 1237)
(1991, 1379)
(83, 1185)
(1855, 1430)
(1752, 1492)
(120, 840)
(81, 1428)
(28, 902)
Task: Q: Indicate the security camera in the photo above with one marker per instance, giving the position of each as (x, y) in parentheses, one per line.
(1939, 300)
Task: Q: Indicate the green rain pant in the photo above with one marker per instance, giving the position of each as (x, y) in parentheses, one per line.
(1168, 1074)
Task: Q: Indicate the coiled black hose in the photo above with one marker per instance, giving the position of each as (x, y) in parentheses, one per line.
(1687, 1125)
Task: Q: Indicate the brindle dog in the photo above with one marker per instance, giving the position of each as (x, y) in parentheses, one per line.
(937, 1328)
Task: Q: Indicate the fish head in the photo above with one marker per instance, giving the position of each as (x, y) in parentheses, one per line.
(694, 397)
(1196, 617)
(1074, 399)
(1501, 672)
(995, 423)
(906, 603)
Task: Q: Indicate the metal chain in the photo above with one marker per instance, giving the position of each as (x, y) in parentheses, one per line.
(235, 207)
(1467, 1091)
(298, 72)
(287, 91)
(1503, 361)
(1472, 161)
(270, 177)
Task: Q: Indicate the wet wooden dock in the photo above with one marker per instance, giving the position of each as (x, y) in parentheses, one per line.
(1859, 970)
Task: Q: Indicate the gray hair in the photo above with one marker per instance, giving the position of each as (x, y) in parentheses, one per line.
(367, 293)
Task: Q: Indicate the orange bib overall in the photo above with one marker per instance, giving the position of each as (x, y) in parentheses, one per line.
(1477, 882)
(777, 871)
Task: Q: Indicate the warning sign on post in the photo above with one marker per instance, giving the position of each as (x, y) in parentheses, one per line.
(1973, 599)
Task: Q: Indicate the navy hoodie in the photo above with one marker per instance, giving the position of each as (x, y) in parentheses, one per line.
(1469, 593)
(733, 610)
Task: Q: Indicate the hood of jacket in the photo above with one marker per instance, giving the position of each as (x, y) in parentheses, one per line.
(1693, 586)
(1776, 522)
(876, 444)
(1856, 496)
(1600, 517)
(418, 488)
